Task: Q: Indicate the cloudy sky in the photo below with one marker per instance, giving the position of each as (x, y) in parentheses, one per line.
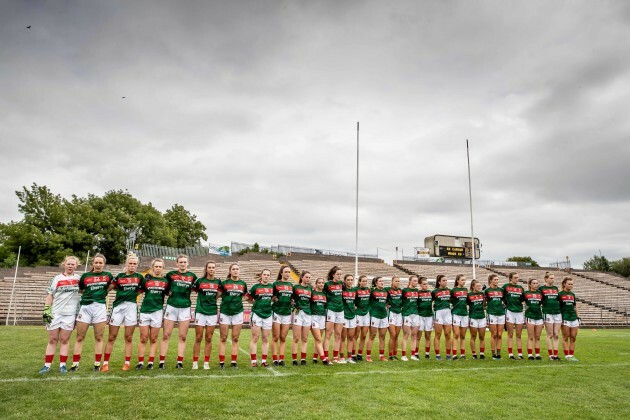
(245, 113)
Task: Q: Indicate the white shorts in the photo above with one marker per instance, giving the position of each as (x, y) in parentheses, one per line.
(426, 323)
(153, 319)
(318, 321)
(461, 321)
(478, 323)
(335, 317)
(231, 319)
(126, 313)
(553, 319)
(282, 319)
(514, 317)
(534, 321)
(177, 314)
(572, 324)
(264, 323)
(363, 320)
(496, 319)
(350, 323)
(203, 320)
(412, 320)
(65, 322)
(94, 313)
(395, 319)
(379, 322)
(443, 317)
(302, 319)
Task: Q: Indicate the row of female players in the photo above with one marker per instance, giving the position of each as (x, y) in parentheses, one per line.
(353, 315)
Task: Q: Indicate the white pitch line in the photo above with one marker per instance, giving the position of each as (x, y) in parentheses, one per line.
(276, 373)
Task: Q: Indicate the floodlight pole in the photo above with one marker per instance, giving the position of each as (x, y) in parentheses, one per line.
(356, 234)
(87, 259)
(472, 232)
(17, 264)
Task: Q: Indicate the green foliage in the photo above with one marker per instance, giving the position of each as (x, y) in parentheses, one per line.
(256, 248)
(53, 226)
(597, 263)
(524, 260)
(621, 267)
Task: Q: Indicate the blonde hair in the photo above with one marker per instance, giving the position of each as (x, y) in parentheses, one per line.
(69, 257)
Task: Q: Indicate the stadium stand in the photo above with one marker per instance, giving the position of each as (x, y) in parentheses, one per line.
(319, 266)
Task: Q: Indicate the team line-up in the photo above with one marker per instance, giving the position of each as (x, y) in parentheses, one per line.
(331, 309)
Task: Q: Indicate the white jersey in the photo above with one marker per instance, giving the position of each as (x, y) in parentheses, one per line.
(65, 292)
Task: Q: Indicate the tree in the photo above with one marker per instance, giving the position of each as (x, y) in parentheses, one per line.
(188, 230)
(621, 267)
(53, 226)
(524, 260)
(597, 263)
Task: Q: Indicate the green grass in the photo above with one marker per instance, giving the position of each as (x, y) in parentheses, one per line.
(596, 387)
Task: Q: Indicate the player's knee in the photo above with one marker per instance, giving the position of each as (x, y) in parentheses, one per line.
(235, 339)
(144, 338)
(154, 340)
(128, 338)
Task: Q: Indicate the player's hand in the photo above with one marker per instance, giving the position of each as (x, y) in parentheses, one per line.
(47, 315)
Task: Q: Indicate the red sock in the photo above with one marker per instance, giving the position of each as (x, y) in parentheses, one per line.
(326, 353)
(76, 358)
(294, 355)
(127, 359)
(275, 357)
(206, 359)
(97, 358)
(264, 357)
(448, 352)
(63, 359)
(381, 353)
(550, 352)
(162, 358)
(415, 351)
(360, 352)
(437, 352)
(303, 356)
(537, 350)
(353, 353)
(571, 352)
(510, 350)
(253, 357)
(566, 352)
(106, 358)
(368, 352)
(195, 358)
(281, 357)
(49, 358)
(520, 351)
(462, 352)
(221, 358)
(454, 352)
(481, 349)
(314, 355)
(529, 352)
(151, 359)
(428, 349)
(555, 352)
(140, 359)
(341, 355)
(336, 354)
(234, 356)
(180, 359)
(404, 353)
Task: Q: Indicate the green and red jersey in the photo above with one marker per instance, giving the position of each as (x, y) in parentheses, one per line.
(494, 297)
(232, 292)
(394, 299)
(476, 302)
(283, 292)
(262, 295)
(318, 303)
(441, 298)
(459, 297)
(349, 309)
(180, 285)
(302, 298)
(94, 287)
(550, 304)
(513, 295)
(333, 292)
(155, 289)
(533, 301)
(378, 303)
(362, 301)
(409, 301)
(567, 306)
(207, 293)
(127, 287)
(425, 303)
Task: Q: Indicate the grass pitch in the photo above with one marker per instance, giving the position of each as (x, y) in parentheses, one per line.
(596, 387)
